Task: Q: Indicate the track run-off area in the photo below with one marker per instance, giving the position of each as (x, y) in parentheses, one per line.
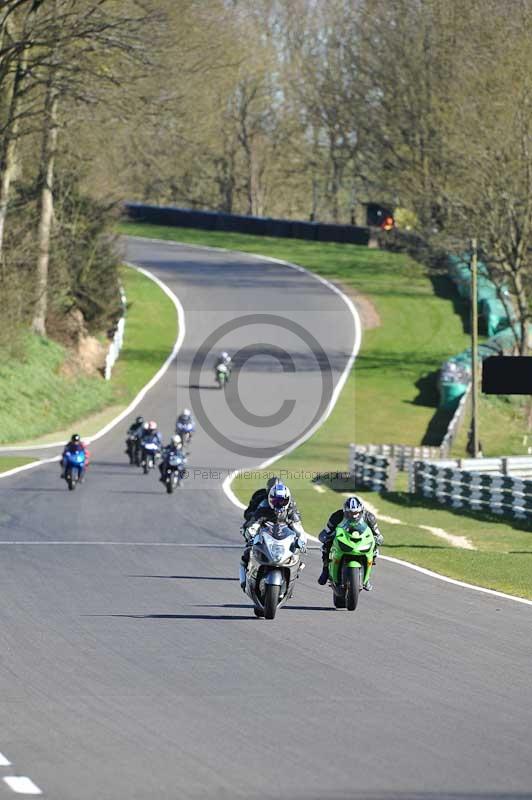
(132, 665)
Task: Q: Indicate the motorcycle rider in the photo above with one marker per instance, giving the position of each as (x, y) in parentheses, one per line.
(259, 496)
(135, 430)
(174, 447)
(278, 507)
(150, 434)
(185, 424)
(74, 445)
(353, 511)
(224, 360)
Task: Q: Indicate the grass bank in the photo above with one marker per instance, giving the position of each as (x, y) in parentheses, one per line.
(10, 462)
(40, 400)
(390, 397)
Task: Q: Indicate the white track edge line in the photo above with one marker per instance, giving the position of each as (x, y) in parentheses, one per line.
(4, 762)
(136, 400)
(20, 784)
(454, 581)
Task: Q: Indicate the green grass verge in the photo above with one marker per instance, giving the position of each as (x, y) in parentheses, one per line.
(39, 400)
(10, 462)
(390, 397)
(502, 427)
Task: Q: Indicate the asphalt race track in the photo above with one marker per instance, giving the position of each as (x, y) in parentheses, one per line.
(132, 666)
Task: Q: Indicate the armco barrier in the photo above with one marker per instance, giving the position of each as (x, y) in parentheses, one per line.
(238, 223)
(400, 454)
(476, 491)
(517, 466)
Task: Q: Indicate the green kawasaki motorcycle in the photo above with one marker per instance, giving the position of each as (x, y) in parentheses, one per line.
(350, 562)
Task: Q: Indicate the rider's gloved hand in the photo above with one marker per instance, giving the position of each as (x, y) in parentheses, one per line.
(324, 535)
(379, 539)
(302, 542)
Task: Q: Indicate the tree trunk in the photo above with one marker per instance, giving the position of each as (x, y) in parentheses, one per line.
(9, 147)
(46, 205)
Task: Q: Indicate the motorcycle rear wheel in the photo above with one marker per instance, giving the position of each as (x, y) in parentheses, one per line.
(271, 600)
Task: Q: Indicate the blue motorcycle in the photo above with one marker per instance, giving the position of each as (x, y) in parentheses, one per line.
(74, 467)
(175, 471)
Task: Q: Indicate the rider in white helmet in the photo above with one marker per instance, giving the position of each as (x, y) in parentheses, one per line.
(277, 507)
(175, 446)
(354, 510)
(185, 425)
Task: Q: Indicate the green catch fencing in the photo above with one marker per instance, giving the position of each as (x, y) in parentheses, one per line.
(497, 317)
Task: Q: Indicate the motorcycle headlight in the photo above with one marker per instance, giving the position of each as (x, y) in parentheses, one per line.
(276, 552)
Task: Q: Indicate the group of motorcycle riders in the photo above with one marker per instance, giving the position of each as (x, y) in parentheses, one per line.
(272, 503)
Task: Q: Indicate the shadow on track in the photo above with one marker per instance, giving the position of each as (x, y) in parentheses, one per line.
(227, 617)
(185, 577)
(284, 608)
(198, 386)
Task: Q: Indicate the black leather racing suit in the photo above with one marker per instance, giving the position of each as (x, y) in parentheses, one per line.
(334, 520)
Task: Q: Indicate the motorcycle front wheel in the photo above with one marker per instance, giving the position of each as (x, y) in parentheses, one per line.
(271, 600)
(338, 600)
(71, 481)
(352, 584)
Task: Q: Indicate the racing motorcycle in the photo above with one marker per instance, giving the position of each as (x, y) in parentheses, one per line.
(174, 471)
(150, 452)
(222, 375)
(74, 467)
(350, 562)
(133, 449)
(273, 567)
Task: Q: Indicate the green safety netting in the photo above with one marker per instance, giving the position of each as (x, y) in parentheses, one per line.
(455, 374)
(497, 317)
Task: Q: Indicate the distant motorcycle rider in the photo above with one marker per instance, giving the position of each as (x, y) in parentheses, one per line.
(278, 507)
(354, 511)
(185, 425)
(223, 364)
(134, 432)
(135, 429)
(175, 447)
(225, 359)
(150, 434)
(74, 445)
